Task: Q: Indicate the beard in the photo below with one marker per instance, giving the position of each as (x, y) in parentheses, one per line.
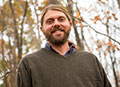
(55, 41)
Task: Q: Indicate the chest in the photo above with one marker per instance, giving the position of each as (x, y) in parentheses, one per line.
(64, 72)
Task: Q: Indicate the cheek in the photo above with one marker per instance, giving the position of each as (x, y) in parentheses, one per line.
(67, 26)
(47, 27)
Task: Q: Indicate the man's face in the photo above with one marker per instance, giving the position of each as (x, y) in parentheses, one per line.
(56, 27)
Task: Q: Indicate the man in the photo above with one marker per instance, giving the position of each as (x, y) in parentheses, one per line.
(60, 63)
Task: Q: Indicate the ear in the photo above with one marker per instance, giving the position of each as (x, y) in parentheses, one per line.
(41, 28)
(70, 23)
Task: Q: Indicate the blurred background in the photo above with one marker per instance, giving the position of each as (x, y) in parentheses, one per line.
(96, 28)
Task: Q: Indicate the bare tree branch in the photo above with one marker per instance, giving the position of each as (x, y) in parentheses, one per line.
(2, 77)
(37, 43)
(98, 31)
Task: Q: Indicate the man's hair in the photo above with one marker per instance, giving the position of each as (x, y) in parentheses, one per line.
(61, 9)
(57, 8)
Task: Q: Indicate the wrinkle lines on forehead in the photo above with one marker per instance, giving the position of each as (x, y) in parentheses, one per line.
(53, 14)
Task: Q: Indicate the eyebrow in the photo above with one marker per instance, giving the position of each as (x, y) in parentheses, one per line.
(49, 19)
(57, 17)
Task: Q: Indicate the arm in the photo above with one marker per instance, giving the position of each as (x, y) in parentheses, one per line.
(104, 78)
(23, 78)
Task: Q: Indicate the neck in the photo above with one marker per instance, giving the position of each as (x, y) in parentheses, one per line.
(62, 49)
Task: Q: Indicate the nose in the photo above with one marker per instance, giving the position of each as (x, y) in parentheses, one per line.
(56, 23)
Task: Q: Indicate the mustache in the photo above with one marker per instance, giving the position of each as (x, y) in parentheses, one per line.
(56, 28)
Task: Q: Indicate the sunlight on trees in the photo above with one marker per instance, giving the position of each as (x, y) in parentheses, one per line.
(96, 28)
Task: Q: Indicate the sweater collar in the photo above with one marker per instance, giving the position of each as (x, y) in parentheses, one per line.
(70, 51)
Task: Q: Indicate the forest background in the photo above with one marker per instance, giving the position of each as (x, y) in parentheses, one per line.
(96, 28)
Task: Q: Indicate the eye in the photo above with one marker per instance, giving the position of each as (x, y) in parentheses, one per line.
(61, 19)
(49, 21)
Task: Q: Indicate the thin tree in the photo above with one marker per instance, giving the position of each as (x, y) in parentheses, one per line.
(70, 9)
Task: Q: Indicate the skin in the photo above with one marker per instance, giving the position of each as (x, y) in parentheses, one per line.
(54, 19)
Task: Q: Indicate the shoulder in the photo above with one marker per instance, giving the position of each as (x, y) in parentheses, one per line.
(33, 56)
(85, 53)
(89, 58)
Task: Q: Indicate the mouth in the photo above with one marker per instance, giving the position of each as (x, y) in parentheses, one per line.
(57, 30)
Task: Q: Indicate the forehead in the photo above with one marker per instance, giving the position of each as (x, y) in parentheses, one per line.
(53, 14)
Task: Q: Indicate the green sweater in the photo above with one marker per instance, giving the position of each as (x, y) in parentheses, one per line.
(46, 68)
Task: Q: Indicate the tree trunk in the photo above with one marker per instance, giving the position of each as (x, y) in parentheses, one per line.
(112, 58)
(16, 44)
(4, 63)
(21, 34)
(54, 2)
(118, 3)
(70, 9)
(3, 51)
(33, 36)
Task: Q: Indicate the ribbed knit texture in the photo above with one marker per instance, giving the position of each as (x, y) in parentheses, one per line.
(45, 68)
